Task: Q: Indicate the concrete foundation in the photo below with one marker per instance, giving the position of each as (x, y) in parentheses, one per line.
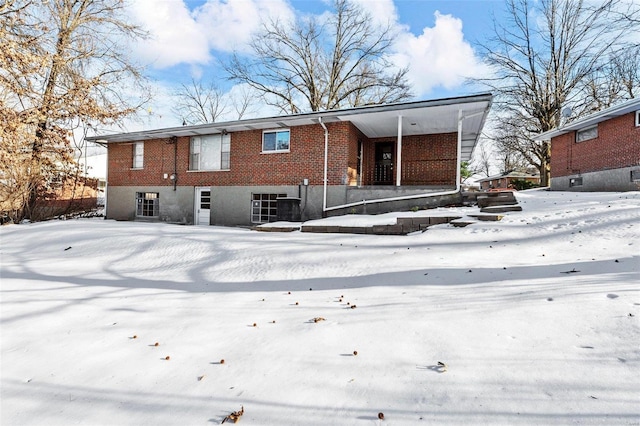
(175, 206)
(231, 205)
(602, 181)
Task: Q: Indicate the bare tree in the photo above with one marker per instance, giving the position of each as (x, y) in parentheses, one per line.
(626, 69)
(482, 162)
(313, 65)
(243, 100)
(62, 61)
(543, 54)
(199, 103)
(618, 78)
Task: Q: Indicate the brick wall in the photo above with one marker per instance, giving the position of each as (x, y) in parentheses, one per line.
(617, 146)
(427, 160)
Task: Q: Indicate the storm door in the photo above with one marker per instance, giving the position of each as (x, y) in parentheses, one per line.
(203, 206)
(383, 173)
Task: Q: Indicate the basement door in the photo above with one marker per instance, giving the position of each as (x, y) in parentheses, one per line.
(202, 212)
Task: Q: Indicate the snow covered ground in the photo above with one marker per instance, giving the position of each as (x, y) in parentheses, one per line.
(536, 318)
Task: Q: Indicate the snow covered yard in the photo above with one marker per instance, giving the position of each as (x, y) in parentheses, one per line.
(536, 318)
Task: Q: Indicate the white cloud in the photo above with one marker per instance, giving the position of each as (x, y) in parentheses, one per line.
(439, 57)
(175, 37)
(382, 12)
(178, 35)
(230, 24)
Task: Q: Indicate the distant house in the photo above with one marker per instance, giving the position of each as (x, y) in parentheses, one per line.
(505, 180)
(366, 159)
(600, 152)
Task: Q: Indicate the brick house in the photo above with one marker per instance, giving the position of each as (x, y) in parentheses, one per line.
(505, 180)
(600, 152)
(367, 159)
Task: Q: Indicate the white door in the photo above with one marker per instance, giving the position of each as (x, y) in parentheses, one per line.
(203, 206)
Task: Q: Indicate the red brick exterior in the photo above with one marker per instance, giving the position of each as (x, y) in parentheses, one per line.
(617, 146)
(507, 182)
(426, 160)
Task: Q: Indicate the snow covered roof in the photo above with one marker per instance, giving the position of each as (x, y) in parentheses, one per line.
(375, 121)
(611, 112)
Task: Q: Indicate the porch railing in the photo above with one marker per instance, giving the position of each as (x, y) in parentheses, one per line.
(414, 173)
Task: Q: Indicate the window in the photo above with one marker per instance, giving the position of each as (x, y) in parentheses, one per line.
(147, 204)
(638, 118)
(264, 207)
(138, 155)
(210, 152)
(635, 175)
(575, 182)
(586, 134)
(275, 141)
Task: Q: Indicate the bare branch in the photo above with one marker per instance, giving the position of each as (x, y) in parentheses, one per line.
(548, 54)
(314, 66)
(61, 61)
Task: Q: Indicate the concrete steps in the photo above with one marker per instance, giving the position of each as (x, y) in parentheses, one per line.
(496, 199)
(491, 205)
(404, 225)
(501, 209)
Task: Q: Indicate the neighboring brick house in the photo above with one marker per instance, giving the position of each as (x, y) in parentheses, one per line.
(366, 159)
(600, 152)
(505, 180)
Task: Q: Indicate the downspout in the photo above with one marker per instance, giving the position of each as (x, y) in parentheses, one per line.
(326, 164)
(174, 140)
(459, 154)
(106, 185)
(105, 143)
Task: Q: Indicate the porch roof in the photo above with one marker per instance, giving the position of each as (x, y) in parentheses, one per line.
(376, 121)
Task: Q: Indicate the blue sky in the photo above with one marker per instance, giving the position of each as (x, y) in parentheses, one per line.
(437, 40)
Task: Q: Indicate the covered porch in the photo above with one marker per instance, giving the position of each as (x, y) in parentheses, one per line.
(418, 144)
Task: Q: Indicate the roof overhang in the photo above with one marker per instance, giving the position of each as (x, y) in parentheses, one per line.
(377, 121)
(591, 120)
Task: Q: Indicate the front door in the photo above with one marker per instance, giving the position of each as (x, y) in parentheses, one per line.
(383, 174)
(203, 206)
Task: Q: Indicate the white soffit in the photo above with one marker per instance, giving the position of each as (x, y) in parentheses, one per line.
(378, 121)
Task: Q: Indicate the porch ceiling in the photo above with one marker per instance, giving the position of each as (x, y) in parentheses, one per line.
(378, 121)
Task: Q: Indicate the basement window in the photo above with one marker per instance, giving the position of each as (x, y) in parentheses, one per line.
(638, 118)
(147, 204)
(264, 207)
(575, 182)
(635, 175)
(587, 134)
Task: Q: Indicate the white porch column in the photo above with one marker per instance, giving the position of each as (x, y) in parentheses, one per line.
(399, 153)
(459, 153)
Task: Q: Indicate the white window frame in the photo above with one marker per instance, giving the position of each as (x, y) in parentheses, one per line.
(638, 118)
(264, 207)
(276, 149)
(147, 201)
(138, 155)
(221, 153)
(586, 134)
